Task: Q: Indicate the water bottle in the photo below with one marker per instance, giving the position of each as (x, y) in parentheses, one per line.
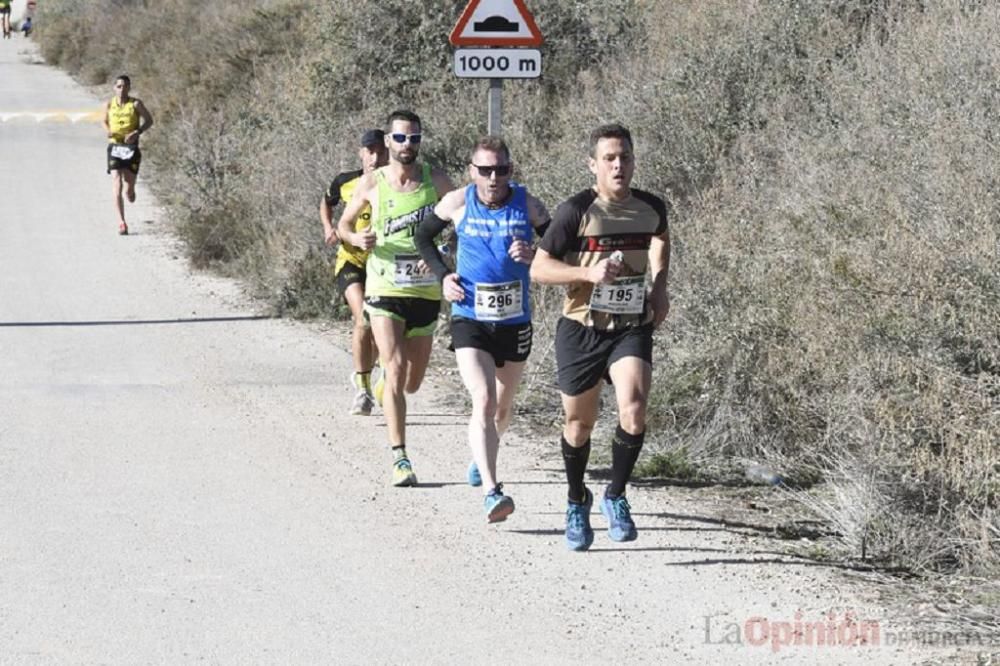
(762, 475)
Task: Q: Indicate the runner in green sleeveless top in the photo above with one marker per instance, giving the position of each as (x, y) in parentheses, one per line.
(402, 298)
(394, 268)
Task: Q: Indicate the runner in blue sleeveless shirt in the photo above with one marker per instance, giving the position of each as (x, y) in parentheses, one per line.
(494, 285)
(495, 221)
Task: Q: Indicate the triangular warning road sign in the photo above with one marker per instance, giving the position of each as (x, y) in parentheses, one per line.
(496, 23)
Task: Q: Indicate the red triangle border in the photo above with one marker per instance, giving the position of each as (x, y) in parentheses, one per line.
(535, 39)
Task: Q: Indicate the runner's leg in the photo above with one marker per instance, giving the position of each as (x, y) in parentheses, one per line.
(362, 344)
(631, 377)
(116, 188)
(477, 369)
(581, 415)
(507, 382)
(129, 177)
(508, 378)
(389, 336)
(418, 355)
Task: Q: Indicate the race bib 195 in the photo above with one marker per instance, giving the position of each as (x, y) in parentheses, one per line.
(625, 295)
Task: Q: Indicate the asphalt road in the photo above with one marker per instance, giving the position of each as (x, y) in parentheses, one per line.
(180, 482)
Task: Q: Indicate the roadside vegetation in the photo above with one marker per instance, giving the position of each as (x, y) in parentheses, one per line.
(834, 168)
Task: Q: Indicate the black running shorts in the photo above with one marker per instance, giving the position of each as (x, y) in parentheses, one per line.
(117, 163)
(583, 355)
(510, 342)
(419, 315)
(349, 274)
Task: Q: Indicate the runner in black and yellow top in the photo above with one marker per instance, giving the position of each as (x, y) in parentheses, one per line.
(402, 298)
(125, 118)
(350, 264)
(600, 245)
(5, 17)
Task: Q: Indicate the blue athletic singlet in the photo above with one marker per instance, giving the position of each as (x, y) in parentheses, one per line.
(496, 286)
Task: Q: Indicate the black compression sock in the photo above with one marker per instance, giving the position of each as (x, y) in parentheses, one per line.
(575, 459)
(625, 450)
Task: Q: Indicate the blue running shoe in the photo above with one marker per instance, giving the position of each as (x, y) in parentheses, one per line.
(497, 505)
(473, 476)
(579, 534)
(619, 515)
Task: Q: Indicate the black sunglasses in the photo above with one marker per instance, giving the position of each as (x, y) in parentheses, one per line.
(414, 139)
(500, 170)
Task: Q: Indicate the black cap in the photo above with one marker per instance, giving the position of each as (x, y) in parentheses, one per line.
(372, 137)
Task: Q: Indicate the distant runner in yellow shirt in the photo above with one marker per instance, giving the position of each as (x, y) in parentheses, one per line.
(350, 265)
(125, 119)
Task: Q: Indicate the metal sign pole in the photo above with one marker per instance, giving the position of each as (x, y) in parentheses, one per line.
(490, 24)
(495, 107)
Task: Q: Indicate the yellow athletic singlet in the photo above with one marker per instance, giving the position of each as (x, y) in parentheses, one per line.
(345, 251)
(122, 119)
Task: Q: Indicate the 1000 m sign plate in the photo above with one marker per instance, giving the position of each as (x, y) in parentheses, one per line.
(498, 63)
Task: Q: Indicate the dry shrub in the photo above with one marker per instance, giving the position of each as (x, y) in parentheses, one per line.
(842, 267)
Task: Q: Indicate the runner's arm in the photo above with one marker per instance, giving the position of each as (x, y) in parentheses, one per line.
(659, 259)
(326, 217)
(659, 264)
(432, 225)
(145, 122)
(351, 212)
(539, 216)
(104, 120)
(522, 250)
(326, 205)
(549, 267)
(145, 117)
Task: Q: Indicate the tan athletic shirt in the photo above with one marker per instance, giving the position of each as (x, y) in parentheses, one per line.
(586, 229)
